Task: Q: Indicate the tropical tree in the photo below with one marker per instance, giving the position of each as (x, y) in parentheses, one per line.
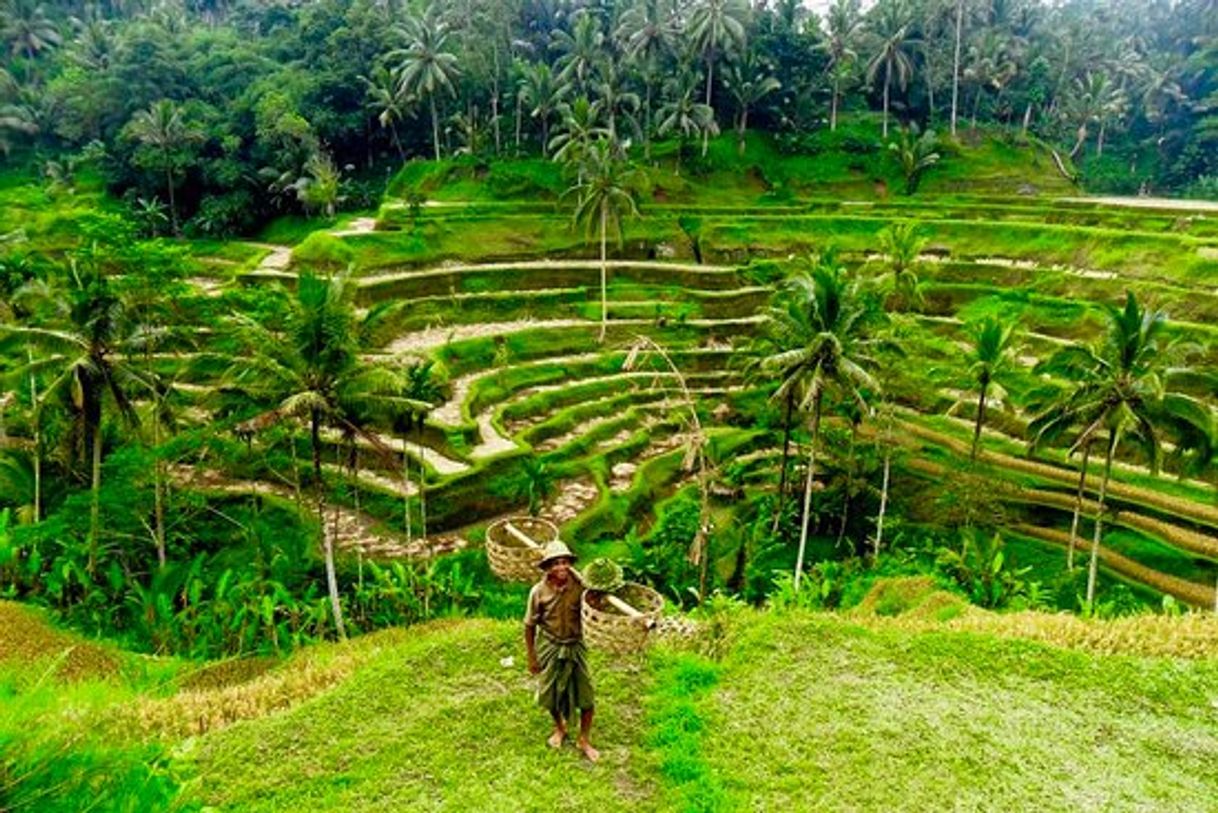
(843, 24)
(716, 27)
(311, 370)
(426, 67)
(615, 100)
(902, 248)
(1122, 392)
(384, 98)
(319, 189)
(541, 93)
(579, 127)
(163, 129)
(605, 196)
(749, 82)
(581, 49)
(991, 355)
(29, 31)
(684, 115)
(646, 33)
(891, 42)
(917, 152)
(823, 319)
(83, 341)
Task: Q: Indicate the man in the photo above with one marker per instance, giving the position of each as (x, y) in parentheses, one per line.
(553, 636)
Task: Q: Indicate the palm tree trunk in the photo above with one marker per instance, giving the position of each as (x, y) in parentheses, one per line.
(841, 528)
(495, 97)
(95, 506)
(786, 454)
(158, 495)
(1093, 568)
(887, 82)
(406, 488)
(647, 118)
(1099, 140)
(744, 125)
(985, 385)
(604, 275)
(397, 141)
(807, 513)
(879, 520)
(1078, 507)
(976, 104)
(435, 126)
(956, 63)
(327, 539)
(518, 112)
(833, 105)
(422, 485)
(710, 77)
(1027, 118)
(173, 207)
(37, 441)
(545, 136)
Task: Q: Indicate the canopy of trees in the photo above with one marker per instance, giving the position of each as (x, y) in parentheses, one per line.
(226, 112)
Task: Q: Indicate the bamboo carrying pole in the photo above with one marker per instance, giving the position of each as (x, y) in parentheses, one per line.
(617, 603)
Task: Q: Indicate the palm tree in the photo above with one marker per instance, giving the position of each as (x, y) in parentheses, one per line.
(716, 27)
(605, 196)
(425, 67)
(1121, 392)
(646, 33)
(843, 23)
(892, 41)
(311, 370)
(319, 188)
(749, 83)
(902, 247)
(822, 319)
(582, 50)
(163, 128)
(686, 116)
(83, 343)
(541, 93)
(579, 126)
(917, 152)
(956, 63)
(991, 355)
(615, 100)
(28, 31)
(387, 103)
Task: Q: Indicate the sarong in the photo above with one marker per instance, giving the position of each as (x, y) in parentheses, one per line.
(563, 685)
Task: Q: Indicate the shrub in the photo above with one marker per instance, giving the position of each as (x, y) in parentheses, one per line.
(322, 251)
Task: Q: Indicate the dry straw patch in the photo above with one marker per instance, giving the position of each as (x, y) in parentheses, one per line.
(27, 638)
(308, 674)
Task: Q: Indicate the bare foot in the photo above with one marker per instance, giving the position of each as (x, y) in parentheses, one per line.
(556, 738)
(590, 753)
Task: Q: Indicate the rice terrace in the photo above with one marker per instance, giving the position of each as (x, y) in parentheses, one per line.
(641, 405)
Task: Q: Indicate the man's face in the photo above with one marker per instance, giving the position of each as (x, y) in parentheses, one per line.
(559, 570)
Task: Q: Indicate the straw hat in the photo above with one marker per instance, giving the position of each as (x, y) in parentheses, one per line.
(555, 550)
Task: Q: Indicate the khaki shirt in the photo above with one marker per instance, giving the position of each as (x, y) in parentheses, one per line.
(556, 610)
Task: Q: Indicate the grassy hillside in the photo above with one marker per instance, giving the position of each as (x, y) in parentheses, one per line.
(795, 710)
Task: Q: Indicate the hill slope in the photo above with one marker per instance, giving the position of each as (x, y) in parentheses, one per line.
(805, 712)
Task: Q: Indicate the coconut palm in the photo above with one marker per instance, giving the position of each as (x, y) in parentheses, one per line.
(605, 197)
(748, 81)
(916, 152)
(823, 320)
(29, 31)
(684, 115)
(384, 98)
(311, 371)
(579, 126)
(541, 93)
(892, 43)
(843, 25)
(991, 355)
(646, 33)
(83, 339)
(902, 247)
(615, 100)
(163, 128)
(716, 28)
(581, 49)
(1122, 392)
(426, 67)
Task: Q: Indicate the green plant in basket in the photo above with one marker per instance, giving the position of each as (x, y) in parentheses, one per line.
(604, 575)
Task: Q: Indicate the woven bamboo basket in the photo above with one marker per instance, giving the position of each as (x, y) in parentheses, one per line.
(609, 629)
(510, 558)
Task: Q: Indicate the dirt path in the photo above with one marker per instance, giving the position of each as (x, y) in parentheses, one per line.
(1173, 204)
(533, 265)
